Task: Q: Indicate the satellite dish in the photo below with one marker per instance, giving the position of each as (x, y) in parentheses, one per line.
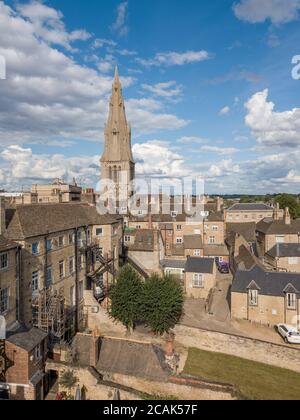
(2, 328)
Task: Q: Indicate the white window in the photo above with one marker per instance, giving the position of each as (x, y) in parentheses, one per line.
(61, 270)
(127, 238)
(4, 300)
(280, 239)
(81, 290)
(198, 281)
(4, 261)
(291, 301)
(253, 297)
(179, 227)
(174, 213)
(71, 265)
(206, 227)
(49, 276)
(35, 281)
(197, 253)
(72, 296)
(99, 232)
(293, 261)
(138, 227)
(215, 228)
(179, 241)
(71, 238)
(35, 248)
(38, 352)
(212, 240)
(61, 241)
(197, 232)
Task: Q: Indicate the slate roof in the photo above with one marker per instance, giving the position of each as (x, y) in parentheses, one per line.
(246, 260)
(278, 227)
(215, 250)
(215, 216)
(6, 244)
(146, 361)
(192, 242)
(144, 240)
(285, 250)
(40, 219)
(200, 265)
(269, 283)
(250, 207)
(28, 340)
(247, 230)
(180, 264)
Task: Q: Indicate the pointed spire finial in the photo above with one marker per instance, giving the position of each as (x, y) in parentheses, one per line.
(117, 78)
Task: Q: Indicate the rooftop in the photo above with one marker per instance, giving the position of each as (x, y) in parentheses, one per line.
(27, 221)
(28, 339)
(285, 250)
(267, 283)
(200, 265)
(251, 207)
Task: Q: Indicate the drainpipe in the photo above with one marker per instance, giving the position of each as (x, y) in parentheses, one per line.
(18, 282)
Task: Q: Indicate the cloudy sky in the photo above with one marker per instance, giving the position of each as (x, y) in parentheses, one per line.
(208, 86)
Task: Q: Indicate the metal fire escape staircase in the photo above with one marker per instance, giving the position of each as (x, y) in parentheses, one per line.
(49, 313)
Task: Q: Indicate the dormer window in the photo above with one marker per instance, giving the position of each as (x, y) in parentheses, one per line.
(253, 298)
(291, 301)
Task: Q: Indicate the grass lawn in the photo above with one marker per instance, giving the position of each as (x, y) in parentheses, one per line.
(255, 381)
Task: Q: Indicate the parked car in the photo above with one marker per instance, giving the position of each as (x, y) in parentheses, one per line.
(290, 334)
(223, 267)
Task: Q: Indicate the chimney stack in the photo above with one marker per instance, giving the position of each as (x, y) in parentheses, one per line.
(219, 203)
(287, 216)
(2, 216)
(276, 212)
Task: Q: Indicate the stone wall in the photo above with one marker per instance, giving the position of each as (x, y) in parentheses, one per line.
(256, 350)
(171, 389)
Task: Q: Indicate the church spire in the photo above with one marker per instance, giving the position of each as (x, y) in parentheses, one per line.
(117, 130)
(117, 158)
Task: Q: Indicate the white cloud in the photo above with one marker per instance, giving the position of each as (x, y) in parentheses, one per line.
(175, 58)
(192, 140)
(120, 25)
(258, 11)
(48, 97)
(269, 127)
(49, 26)
(165, 90)
(219, 150)
(225, 110)
(100, 43)
(167, 163)
(22, 167)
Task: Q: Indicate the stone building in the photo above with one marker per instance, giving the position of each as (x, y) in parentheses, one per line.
(9, 281)
(56, 242)
(271, 232)
(265, 297)
(57, 192)
(117, 159)
(248, 212)
(200, 277)
(284, 257)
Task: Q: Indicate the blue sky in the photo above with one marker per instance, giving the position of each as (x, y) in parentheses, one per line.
(208, 87)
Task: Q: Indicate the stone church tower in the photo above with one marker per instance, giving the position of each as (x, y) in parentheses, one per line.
(117, 158)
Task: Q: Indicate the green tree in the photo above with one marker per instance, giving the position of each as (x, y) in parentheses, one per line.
(126, 297)
(68, 380)
(290, 201)
(162, 303)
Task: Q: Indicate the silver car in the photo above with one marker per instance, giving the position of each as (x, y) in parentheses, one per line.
(290, 334)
